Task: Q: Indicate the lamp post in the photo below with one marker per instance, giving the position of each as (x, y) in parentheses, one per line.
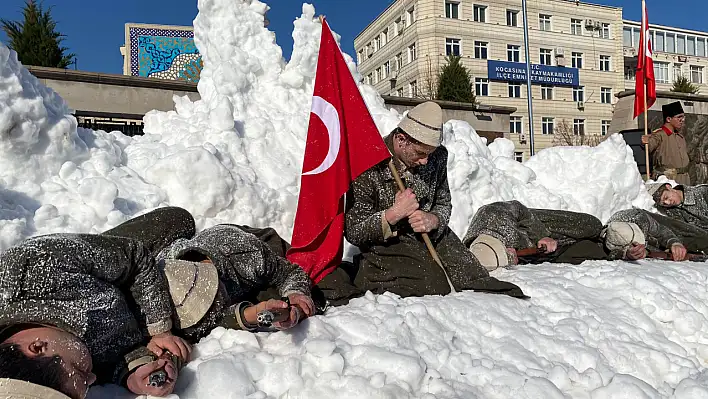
(528, 76)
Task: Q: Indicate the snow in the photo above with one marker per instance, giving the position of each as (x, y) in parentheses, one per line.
(597, 330)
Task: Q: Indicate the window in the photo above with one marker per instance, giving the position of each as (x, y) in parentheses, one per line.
(515, 125)
(605, 63)
(513, 53)
(519, 156)
(399, 62)
(411, 53)
(576, 26)
(410, 16)
(514, 90)
(377, 43)
(546, 92)
(576, 60)
(512, 18)
(480, 50)
(413, 88)
(605, 32)
(481, 86)
(670, 43)
(360, 56)
(544, 22)
(681, 44)
(384, 37)
(547, 124)
(452, 9)
(480, 13)
(545, 56)
(579, 127)
(635, 37)
(579, 94)
(387, 69)
(697, 74)
(399, 92)
(368, 79)
(605, 127)
(701, 47)
(677, 71)
(452, 47)
(606, 95)
(398, 26)
(659, 42)
(378, 75)
(369, 50)
(661, 72)
(691, 45)
(627, 37)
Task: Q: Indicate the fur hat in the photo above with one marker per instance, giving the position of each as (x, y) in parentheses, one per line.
(424, 123)
(655, 190)
(672, 109)
(18, 389)
(621, 235)
(490, 252)
(193, 287)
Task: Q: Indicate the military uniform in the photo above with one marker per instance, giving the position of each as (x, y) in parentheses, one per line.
(669, 150)
(661, 232)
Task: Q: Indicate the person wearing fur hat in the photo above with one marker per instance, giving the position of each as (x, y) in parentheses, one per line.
(384, 222)
(500, 229)
(667, 145)
(688, 204)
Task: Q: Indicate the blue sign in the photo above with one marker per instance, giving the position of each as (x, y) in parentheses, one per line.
(540, 74)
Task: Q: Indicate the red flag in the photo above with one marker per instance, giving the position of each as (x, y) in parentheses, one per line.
(342, 143)
(645, 68)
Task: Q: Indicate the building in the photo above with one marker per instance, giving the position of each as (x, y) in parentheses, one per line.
(577, 51)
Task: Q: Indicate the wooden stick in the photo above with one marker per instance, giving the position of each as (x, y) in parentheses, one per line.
(425, 236)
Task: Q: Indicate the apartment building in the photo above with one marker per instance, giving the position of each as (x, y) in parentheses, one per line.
(580, 55)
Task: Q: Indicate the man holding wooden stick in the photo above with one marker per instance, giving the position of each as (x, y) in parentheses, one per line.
(397, 213)
(667, 146)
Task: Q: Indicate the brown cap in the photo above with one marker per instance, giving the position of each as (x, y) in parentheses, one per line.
(424, 123)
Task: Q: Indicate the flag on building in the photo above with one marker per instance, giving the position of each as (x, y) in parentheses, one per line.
(645, 68)
(342, 142)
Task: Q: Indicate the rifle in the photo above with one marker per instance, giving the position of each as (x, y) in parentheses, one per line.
(533, 251)
(693, 257)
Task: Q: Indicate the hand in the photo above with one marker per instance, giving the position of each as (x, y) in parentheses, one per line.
(304, 302)
(515, 257)
(678, 252)
(636, 252)
(645, 139)
(423, 222)
(547, 244)
(139, 381)
(250, 314)
(168, 342)
(403, 206)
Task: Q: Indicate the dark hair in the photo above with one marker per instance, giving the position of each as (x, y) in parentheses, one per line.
(42, 370)
(659, 191)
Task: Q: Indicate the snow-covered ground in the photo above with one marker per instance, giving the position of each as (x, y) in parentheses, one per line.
(598, 330)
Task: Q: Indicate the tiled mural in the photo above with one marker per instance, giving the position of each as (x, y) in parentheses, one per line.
(164, 53)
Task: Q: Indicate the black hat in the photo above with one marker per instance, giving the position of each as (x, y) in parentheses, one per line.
(672, 109)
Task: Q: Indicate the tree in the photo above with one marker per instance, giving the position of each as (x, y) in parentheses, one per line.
(683, 85)
(564, 134)
(35, 39)
(455, 82)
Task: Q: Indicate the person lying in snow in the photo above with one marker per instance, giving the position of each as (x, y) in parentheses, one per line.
(383, 222)
(688, 204)
(81, 311)
(500, 229)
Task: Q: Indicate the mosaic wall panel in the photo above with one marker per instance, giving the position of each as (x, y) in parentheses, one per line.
(164, 54)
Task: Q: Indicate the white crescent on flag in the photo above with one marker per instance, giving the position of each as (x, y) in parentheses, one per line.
(330, 118)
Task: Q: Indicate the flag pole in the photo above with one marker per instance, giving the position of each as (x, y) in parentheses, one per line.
(645, 26)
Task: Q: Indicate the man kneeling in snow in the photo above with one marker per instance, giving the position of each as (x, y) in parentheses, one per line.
(78, 303)
(688, 204)
(383, 221)
(500, 229)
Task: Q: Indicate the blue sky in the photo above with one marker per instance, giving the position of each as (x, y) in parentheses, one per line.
(95, 28)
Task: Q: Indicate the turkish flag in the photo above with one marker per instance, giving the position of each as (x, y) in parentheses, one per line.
(342, 143)
(645, 68)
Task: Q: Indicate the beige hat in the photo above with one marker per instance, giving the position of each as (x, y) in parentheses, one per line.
(621, 235)
(424, 123)
(490, 252)
(193, 287)
(18, 389)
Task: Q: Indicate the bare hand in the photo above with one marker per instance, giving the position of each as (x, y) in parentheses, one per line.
(636, 252)
(423, 222)
(678, 252)
(547, 244)
(139, 381)
(168, 342)
(403, 206)
(304, 302)
(645, 139)
(250, 314)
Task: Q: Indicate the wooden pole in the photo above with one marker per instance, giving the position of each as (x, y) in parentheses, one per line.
(425, 236)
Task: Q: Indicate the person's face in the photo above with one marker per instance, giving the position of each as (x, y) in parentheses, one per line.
(75, 356)
(410, 153)
(671, 197)
(677, 121)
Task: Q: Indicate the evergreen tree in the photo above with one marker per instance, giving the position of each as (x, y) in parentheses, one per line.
(683, 85)
(455, 82)
(35, 39)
